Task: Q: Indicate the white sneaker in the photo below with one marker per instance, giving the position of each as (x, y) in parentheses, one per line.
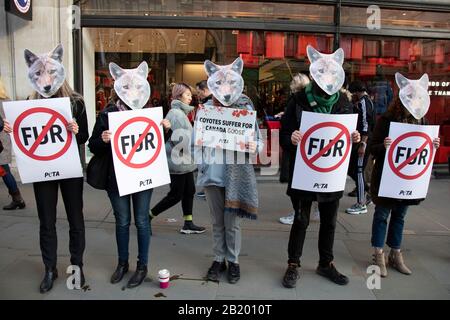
(288, 219)
(357, 209)
(316, 214)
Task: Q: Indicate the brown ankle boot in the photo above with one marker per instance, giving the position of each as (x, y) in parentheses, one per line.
(16, 203)
(395, 260)
(380, 261)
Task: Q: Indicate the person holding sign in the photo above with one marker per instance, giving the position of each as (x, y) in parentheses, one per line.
(133, 92)
(410, 107)
(47, 76)
(181, 165)
(230, 188)
(320, 96)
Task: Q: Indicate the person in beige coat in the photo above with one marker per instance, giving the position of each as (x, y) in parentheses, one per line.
(5, 159)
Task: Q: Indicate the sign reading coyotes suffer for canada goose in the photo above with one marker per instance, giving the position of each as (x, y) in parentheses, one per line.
(408, 161)
(45, 150)
(139, 154)
(323, 154)
(225, 128)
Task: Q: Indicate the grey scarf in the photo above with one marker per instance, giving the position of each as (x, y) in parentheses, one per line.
(241, 193)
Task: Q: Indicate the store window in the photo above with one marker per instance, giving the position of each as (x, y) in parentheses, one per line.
(375, 60)
(174, 55)
(396, 18)
(307, 13)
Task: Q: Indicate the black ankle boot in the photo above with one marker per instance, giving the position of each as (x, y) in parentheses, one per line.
(121, 269)
(47, 282)
(138, 276)
(16, 203)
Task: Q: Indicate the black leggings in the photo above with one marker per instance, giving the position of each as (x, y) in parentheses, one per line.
(328, 214)
(182, 188)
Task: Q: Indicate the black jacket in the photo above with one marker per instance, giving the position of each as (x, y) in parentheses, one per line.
(291, 122)
(98, 147)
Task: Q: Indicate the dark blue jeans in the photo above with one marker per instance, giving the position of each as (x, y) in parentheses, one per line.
(395, 231)
(122, 212)
(9, 180)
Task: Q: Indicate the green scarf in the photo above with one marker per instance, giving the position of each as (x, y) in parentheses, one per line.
(318, 103)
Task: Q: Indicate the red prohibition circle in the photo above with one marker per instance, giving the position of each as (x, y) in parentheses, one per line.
(394, 145)
(308, 161)
(55, 115)
(116, 142)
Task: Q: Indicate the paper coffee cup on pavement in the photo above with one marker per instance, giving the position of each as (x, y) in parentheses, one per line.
(163, 276)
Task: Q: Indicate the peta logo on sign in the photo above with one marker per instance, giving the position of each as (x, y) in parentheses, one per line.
(23, 5)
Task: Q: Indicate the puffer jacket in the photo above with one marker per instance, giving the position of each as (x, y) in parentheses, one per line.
(178, 149)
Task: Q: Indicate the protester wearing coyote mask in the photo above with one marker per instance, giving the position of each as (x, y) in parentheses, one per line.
(410, 106)
(322, 95)
(47, 77)
(133, 92)
(230, 188)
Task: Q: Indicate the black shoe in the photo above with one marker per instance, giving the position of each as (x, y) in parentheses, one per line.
(15, 205)
(331, 273)
(121, 270)
(353, 193)
(291, 276)
(138, 276)
(190, 228)
(47, 282)
(215, 270)
(234, 272)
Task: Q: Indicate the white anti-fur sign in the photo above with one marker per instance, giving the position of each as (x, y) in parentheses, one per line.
(138, 150)
(323, 154)
(45, 150)
(408, 161)
(226, 128)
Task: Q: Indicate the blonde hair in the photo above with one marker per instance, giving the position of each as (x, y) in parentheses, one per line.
(299, 81)
(3, 94)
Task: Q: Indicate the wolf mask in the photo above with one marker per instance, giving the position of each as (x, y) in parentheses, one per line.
(414, 94)
(46, 72)
(131, 85)
(326, 69)
(225, 82)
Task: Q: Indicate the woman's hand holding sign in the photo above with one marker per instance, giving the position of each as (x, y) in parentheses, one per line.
(106, 136)
(296, 137)
(6, 126)
(166, 124)
(356, 137)
(73, 126)
(387, 142)
(437, 142)
(252, 146)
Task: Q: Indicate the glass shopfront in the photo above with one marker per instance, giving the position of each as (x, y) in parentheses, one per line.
(175, 37)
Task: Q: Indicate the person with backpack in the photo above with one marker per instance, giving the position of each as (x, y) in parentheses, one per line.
(366, 122)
